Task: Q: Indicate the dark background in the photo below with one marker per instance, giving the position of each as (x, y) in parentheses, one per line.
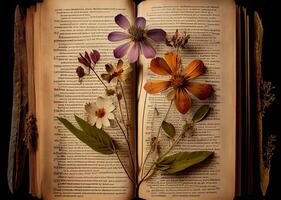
(269, 12)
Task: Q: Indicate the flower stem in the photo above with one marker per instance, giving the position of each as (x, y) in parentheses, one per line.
(98, 77)
(121, 112)
(156, 140)
(160, 158)
(170, 148)
(147, 173)
(126, 107)
(128, 144)
(124, 167)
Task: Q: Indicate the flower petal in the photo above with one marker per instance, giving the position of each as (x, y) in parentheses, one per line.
(110, 108)
(134, 53)
(171, 95)
(173, 60)
(194, 69)
(85, 60)
(92, 119)
(156, 86)
(159, 66)
(107, 102)
(95, 56)
(122, 21)
(200, 90)
(99, 123)
(120, 51)
(91, 108)
(140, 21)
(100, 102)
(126, 74)
(117, 36)
(105, 122)
(157, 35)
(148, 50)
(120, 64)
(110, 116)
(80, 72)
(87, 57)
(183, 101)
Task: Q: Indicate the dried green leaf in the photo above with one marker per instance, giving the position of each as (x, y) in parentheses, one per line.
(181, 161)
(169, 129)
(95, 138)
(201, 113)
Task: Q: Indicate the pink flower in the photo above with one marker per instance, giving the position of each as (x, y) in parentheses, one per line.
(138, 38)
(80, 72)
(87, 59)
(95, 56)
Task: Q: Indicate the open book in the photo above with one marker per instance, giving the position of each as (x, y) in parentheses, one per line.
(64, 168)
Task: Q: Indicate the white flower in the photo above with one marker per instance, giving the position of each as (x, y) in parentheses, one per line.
(100, 112)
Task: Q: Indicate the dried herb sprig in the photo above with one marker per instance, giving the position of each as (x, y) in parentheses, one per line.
(267, 95)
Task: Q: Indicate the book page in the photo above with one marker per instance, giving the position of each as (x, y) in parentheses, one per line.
(211, 25)
(69, 169)
(29, 34)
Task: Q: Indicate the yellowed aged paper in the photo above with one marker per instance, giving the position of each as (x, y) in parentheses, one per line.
(69, 169)
(211, 25)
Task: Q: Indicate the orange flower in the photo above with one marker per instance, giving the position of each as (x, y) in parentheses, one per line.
(179, 80)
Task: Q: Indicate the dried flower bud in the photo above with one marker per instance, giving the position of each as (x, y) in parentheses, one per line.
(80, 72)
(109, 68)
(110, 92)
(119, 96)
(152, 143)
(95, 56)
(175, 37)
(178, 40)
(85, 60)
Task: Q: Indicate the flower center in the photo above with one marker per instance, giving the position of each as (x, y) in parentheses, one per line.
(178, 81)
(100, 113)
(136, 32)
(117, 73)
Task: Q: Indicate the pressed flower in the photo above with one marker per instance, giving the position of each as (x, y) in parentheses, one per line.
(138, 38)
(100, 113)
(180, 80)
(80, 72)
(120, 72)
(110, 92)
(95, 56)
(178, 40)
(87, 59)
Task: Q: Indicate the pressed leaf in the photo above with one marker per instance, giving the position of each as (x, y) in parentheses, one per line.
(95, 138)
(169, 129)
(181, 161)
(201, 113)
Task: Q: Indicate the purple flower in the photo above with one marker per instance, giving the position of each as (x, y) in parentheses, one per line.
(87, 59)
(95, 56)
(138, 38)
(80, 72)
